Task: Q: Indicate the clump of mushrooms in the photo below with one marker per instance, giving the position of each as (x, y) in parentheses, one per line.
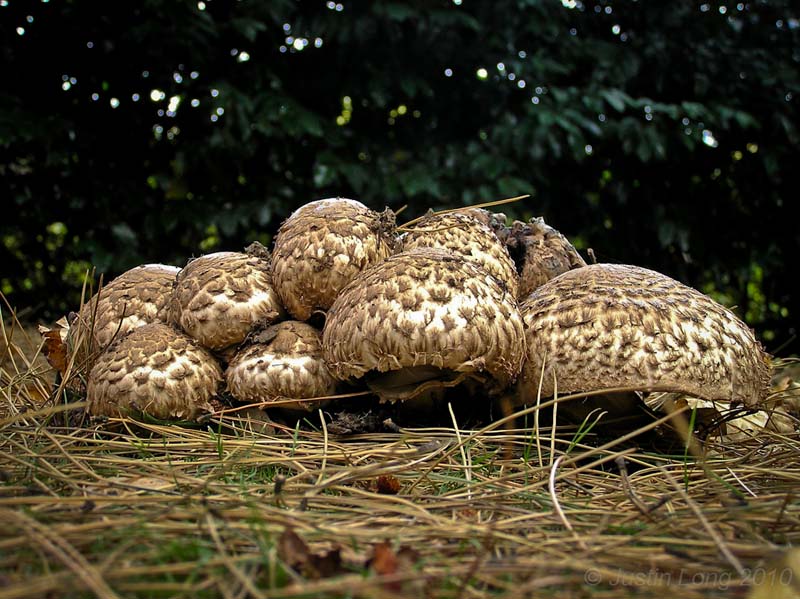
(154, 370)
(604, 325)
(322, 246)
(219, 298)
(420, 317)
(279, 364)
(467, 233)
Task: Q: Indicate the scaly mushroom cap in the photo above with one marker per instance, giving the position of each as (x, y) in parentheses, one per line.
(424, 307)
(135, 298)
(283, 361)
(541, 253)
(218, 298)
(155, 370)
(466, 233)
(496, 221)
(608, 325)
(322, 246)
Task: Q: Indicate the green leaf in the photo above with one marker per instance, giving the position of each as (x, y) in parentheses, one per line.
(395, 11)
(616, 98)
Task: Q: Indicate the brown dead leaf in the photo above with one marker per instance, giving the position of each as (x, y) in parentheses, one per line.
(384, 560)
(295, 552)
(292, 550)
(387, 562)
(386, 484)
(325, 564)
(55, 348)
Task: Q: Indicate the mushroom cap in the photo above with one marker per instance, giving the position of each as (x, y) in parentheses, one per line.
(469, 234)
(156, 370)
(283, 361)
(609, 325)
(218, 298)
(424, 307)
(135, 298)
(541, 253)
(496, 221)
(322, 246)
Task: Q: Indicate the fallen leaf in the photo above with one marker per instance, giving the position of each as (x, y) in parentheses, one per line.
(294, 552)
(384, 560)
(325, 564)
(55, 348)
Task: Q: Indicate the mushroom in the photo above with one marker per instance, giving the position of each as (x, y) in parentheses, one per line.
(154, 370)
(421, 316)
(218, 298)
(322, 246)
(607, 325)
(282, 362)
(540, 253)
(467, 233)
(135, 298)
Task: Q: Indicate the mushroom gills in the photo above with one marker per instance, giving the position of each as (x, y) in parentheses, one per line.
(421, 383)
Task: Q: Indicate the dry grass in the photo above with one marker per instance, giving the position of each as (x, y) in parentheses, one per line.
(234, 508)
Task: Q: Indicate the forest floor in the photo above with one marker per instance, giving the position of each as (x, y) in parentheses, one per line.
(244, 506)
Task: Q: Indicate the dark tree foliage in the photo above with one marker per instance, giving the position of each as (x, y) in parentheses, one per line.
(663, 134)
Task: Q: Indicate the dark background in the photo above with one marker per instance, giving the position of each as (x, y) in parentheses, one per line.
(663, 134)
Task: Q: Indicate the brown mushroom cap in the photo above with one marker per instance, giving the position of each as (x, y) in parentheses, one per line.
(322, 246)
(135, 298)
(466, 233)
(218, 298)
(421, 308)
(282, 362)
(607, 325)
(541, 253)
(155, 370)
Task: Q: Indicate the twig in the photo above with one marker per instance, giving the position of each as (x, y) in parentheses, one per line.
(626, 485)
(723, 548)
(324, 447)
(464, 459)
(557, 505)
(739, 480)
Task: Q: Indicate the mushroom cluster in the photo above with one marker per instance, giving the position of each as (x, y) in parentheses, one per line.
(459, 305)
